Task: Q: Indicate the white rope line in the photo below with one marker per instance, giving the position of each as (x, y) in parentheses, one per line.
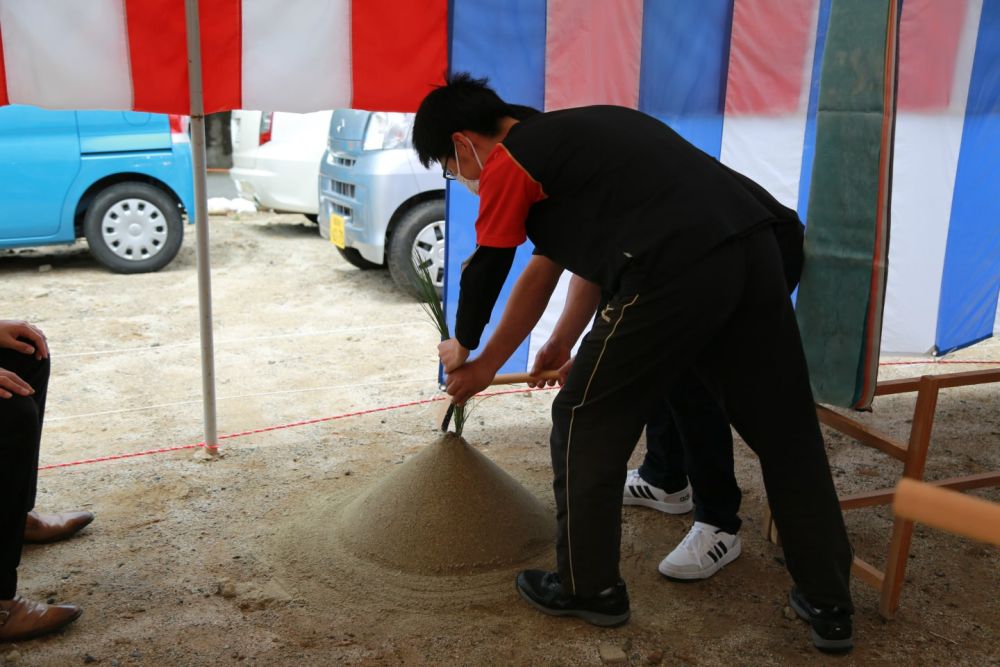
(157, 348)
(229, 398)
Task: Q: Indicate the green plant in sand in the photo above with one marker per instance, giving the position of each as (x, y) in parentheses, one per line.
(431, 304)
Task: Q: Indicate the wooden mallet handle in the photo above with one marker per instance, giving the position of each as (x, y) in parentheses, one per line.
(518, 378)
(442, 415)
(948, 510)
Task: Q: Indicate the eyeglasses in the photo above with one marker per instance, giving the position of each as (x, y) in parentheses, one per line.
(448, 176)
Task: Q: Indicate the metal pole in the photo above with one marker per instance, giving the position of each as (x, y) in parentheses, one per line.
(201, 225)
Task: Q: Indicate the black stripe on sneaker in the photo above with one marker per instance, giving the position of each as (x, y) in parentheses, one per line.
(711, 554)
(635, 494)
(724, 549)
(647, 492)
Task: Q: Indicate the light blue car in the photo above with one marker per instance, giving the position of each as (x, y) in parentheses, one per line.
(122, 180)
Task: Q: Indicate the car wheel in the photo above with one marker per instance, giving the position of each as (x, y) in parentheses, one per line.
(419, 234)
(133, 228)
(354, 258)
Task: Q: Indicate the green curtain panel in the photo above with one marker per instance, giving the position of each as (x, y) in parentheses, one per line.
(843, 282)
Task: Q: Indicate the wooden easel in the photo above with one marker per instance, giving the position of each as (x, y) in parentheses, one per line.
(913, 454)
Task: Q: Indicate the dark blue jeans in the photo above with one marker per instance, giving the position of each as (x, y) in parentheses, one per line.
(688, 438)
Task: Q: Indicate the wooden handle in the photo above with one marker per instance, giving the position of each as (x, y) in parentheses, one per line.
(443, 413)
(518, 378)
(948, 510)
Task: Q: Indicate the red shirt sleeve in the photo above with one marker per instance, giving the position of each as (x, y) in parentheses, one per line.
(506, 192)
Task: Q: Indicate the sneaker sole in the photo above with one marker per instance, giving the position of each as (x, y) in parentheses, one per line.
(659, 505)
(675, 575)
(821, 643)
(602, 620)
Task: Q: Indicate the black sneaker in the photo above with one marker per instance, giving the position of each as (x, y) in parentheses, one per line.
(544, 591)
(832, 631)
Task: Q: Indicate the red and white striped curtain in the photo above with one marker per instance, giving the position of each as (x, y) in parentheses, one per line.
(289, 55)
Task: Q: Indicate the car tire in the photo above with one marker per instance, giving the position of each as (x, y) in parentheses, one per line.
(420, 232)
(354, 258)
(133, 228)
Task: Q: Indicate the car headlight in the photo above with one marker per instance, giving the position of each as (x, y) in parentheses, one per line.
(388, 130)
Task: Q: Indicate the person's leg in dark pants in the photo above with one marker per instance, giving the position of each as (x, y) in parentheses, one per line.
(663, 465)
(734, 300)
(698, 425)
(616, 379)
(707, 443)
(793, 460)
(661, 482)
(768, 398)
(693, 436)
(22, 419)
(638, 347)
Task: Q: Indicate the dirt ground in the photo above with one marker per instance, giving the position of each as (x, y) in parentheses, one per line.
(236, 561)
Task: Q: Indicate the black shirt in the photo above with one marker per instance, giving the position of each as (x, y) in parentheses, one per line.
(607, 186)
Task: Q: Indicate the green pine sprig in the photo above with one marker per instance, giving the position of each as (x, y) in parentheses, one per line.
(431, 304)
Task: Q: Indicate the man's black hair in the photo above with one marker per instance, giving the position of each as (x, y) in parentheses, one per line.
(463, 103)
(521, 111)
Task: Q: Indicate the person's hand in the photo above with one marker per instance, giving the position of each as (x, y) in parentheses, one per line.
(452, 354)
(11, 383)
(12, 330)
(468, 380)
(564, 371)
(551, 356)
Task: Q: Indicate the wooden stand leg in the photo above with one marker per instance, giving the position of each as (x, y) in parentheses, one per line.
(770, 530)
(895, 568)
(902, 529)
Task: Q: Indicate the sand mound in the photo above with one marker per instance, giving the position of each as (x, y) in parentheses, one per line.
(447, 510)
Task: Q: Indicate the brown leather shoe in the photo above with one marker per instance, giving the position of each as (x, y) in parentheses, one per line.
(42, 528)
(24, 619)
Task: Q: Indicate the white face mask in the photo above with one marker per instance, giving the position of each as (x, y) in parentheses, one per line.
(472, 185)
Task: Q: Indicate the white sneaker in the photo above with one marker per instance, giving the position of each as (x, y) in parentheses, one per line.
(703, 552)
(638, 491)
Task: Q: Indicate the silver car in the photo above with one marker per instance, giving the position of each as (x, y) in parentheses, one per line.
(377, 203)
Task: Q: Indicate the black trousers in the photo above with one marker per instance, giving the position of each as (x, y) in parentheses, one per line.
(729, 318)
(20, 437)
(688, 438)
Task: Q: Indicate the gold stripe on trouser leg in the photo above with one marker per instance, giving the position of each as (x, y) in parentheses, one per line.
(569, 439)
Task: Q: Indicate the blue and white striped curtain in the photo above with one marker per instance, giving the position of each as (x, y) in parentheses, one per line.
(740, 79)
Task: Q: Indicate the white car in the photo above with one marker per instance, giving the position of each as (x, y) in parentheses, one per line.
(276, 157)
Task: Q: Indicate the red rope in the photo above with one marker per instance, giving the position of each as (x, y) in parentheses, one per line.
(358, 413)
(266, 429)
(943, 361)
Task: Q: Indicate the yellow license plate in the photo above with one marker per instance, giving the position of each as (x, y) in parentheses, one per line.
(337, 231)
